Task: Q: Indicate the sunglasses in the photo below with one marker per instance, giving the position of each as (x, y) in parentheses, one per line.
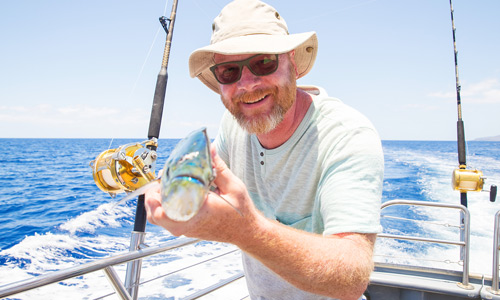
(260, 65)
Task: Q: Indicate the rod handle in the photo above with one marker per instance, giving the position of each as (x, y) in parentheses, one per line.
(461, 143)
(158, 101)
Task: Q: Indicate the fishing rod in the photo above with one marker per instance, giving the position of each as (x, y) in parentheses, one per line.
(463, 179)
(134, 268)
(131, 166)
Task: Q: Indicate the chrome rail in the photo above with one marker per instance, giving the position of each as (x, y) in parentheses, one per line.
(214, 287)
(118, 286)
(122, 291)
(464, 245)
(134, 267)
(496, 239)
(102, 264)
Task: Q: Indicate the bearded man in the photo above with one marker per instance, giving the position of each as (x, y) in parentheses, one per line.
(304, 170)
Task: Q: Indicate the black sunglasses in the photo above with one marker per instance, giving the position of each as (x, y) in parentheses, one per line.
(260, 65)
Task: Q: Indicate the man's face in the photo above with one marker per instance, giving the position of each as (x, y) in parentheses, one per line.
(259, 103)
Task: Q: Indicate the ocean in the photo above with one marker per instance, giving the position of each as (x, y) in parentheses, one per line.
(53, 216)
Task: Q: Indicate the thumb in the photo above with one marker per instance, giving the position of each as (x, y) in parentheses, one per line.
(224, 176)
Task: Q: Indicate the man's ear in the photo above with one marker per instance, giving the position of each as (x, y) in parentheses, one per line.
(291, 55)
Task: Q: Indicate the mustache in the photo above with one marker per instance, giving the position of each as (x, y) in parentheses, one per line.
(252, 96)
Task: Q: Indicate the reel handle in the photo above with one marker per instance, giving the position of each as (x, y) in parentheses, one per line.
(493, 193)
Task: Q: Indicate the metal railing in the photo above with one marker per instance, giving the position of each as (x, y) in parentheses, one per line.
(105, 264)
(464, 244)
(496, 240)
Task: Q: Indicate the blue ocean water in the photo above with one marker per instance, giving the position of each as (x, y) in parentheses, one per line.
(46, 182)
(53, 216)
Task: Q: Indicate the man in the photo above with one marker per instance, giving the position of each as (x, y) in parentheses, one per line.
(304, 170)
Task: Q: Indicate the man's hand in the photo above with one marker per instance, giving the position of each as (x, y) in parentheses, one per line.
(216, 220)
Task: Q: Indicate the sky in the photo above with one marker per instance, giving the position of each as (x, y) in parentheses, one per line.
(87, 69)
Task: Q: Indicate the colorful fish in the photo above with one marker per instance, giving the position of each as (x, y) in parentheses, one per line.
(187, 176)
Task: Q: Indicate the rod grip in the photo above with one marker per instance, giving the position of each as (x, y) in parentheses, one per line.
(158, 101)
(140, 215)
(461, 143)
(463, 199)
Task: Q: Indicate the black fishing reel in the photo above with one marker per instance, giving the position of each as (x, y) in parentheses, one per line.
(465, 180)
(125, 168)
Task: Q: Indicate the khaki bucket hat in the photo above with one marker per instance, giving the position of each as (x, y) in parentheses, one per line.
(248, 27)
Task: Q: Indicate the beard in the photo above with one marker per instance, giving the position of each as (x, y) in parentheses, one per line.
(283, 94)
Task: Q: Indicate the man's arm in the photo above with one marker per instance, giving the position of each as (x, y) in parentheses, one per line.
(337, 266)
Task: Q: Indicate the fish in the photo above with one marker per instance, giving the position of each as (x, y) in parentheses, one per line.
(186, 179)
(187, 176)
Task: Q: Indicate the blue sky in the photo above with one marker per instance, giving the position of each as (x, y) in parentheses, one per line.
(84, 69)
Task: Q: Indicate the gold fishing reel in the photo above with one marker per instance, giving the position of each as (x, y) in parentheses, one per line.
(465, 180)
(125, 168)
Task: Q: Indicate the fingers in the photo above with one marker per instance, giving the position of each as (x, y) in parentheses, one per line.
(152, 203)
(224, 175)
(156, 215)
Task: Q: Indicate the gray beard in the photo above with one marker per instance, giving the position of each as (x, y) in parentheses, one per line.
(264, 124)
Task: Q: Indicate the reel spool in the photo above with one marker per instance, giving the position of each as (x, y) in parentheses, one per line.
(464, 180)
(125, 168)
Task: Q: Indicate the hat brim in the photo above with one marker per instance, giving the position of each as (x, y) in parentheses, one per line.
(305, 45)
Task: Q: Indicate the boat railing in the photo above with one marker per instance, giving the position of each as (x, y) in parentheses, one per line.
(106, 265)
(465, 232)
(496, 247)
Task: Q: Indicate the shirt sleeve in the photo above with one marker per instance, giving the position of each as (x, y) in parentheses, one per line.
(350, 190)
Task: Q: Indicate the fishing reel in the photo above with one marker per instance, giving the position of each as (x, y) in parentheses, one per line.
(125, 168)
(465, 180)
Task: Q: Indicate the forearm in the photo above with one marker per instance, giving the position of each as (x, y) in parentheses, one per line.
(335, 266)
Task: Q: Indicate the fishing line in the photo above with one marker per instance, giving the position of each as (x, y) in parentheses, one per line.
(463, 179)
(140, 191)
(148, 54)
(204, 11)
(165, 8)
(100, 175)
(145, 61)
(230, 204)
(218, 5)
(111, 142)
(143, 189)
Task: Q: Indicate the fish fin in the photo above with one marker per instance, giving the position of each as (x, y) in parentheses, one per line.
(136, 193)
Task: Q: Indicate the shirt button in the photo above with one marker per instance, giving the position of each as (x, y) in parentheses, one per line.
(262, 154)
(262, 163)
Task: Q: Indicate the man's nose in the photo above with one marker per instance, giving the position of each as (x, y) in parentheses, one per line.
(248, 80)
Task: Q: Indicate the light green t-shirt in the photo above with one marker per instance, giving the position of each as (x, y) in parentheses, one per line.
(327, 178)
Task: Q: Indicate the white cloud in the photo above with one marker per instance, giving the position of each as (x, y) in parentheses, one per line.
(88, 112)
(422, 107)
(486, 91)
(70, 121)
(85, 121)
(67, 114)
